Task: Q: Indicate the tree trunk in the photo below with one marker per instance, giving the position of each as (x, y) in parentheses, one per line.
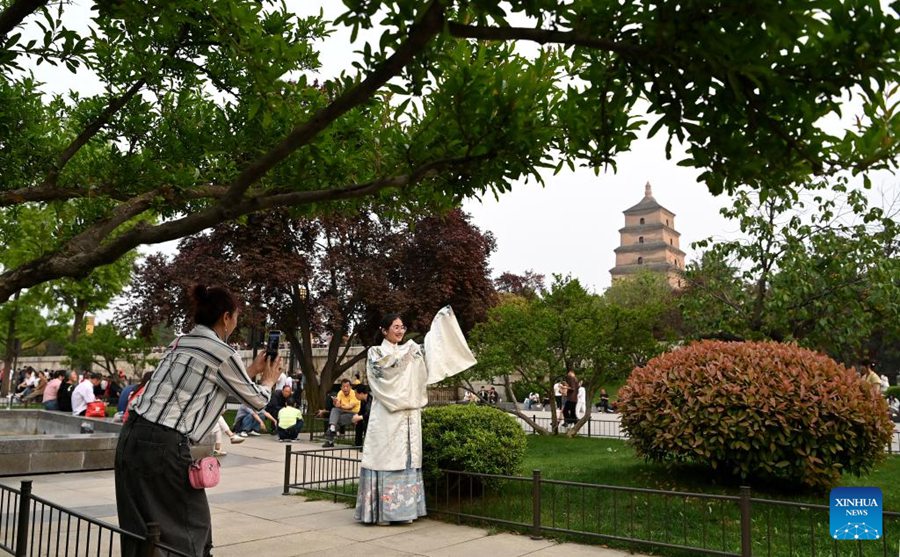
(79, 309)
(554, 419)
(9, 355)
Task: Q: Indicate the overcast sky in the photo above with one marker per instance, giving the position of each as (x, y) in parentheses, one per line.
(568, 227)
(571, 225)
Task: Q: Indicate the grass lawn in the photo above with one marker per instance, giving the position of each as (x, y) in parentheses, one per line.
(612, 462)
(663, 518)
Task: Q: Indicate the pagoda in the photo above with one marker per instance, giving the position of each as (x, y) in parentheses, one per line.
(649, 242)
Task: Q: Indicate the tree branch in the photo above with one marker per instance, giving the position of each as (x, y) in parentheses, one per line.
(91, 130)
(544, 36)
(115, 105)
(13, 15)
(420, 34)
(85, 252)
(46, 192)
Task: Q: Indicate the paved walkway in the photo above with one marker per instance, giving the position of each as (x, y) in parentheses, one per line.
(251, 517)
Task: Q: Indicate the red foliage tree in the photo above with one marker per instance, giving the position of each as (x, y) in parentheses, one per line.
(325, 281)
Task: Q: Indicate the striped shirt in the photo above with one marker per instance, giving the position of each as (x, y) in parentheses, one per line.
(188, 388)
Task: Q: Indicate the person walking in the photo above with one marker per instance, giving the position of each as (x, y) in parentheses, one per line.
(180, 404)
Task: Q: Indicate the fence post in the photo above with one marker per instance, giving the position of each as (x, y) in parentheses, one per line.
(745, 521)
(24, 516)
(533, 428)
(151, 540)
(536, 504)
(589, 426)
(287, 469)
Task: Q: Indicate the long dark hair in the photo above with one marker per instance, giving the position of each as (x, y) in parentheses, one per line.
(385, 324)
(208, 303)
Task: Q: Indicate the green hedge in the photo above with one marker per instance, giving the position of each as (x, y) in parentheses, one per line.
(471, 438)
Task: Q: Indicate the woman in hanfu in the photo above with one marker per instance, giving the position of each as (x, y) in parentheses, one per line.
(390, 483)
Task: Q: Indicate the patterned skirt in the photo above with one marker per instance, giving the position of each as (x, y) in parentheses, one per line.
(388, 496)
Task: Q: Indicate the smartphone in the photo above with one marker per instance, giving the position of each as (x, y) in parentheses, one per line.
(272, 344)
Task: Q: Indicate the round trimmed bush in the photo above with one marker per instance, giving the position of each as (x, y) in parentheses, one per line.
(756, 409)
(471, 438)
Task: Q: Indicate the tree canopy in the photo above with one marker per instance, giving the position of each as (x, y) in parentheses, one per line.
(209, 111)
(819, 272)
(327, 280)
(537, 339)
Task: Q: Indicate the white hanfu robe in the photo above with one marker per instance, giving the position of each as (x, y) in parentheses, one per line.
(390, 486)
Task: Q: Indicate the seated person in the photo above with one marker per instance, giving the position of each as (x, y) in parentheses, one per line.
(603, 403)
(493, 396)
(290, 421)
(248, 422)
(124, 396)
(329, 402)
(37, 392)
(483, 395)
(346, 405)
(362, 418)
(279, 400)
(83, 394)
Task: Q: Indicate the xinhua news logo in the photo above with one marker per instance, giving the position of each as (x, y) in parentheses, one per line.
(856, 513)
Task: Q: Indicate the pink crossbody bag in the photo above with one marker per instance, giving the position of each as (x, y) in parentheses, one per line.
(204, 473)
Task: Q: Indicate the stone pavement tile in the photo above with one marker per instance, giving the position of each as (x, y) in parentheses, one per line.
(577, 550)
(283, 508)
(71, 498)
(112, 519)
(232, 527)
(499, 545)
(279, 546)
(95, 511)
(218, 496)
(434, 536)
(322, 520)
(367, 532)
(369, 550)
(94, 494)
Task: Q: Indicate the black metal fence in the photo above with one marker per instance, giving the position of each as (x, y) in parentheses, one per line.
(695, 523)
(893, 448)
(610, 429)
(32, 526)
(592, 428)
(333, 471)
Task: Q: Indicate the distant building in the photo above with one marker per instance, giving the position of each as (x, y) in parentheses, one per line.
(649, 242)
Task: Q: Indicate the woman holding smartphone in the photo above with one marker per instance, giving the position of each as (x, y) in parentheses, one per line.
(180, 404)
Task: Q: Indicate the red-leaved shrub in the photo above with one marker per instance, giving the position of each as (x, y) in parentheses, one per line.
(756, 409)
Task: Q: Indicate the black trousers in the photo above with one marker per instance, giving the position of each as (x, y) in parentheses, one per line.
(291, 432)
(569, 416)
(152, 486)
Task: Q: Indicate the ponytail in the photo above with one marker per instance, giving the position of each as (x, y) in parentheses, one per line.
(209, 303)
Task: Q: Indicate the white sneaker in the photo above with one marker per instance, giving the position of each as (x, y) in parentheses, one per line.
(243, 434)
(235, 439)
(252, 433)
(219, 453)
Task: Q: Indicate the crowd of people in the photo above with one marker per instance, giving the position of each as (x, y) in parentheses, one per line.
(67, 390)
